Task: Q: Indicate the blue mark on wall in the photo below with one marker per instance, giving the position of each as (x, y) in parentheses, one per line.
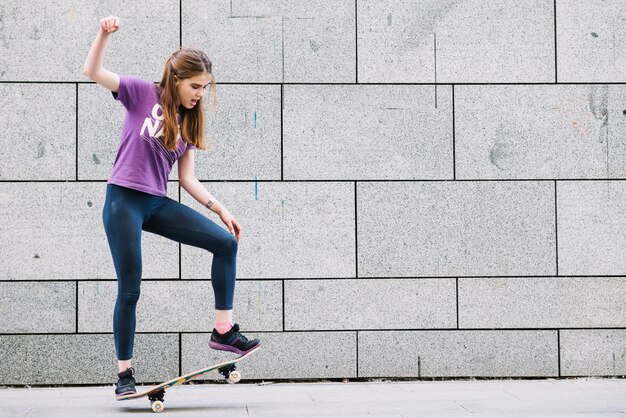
(256, 188)
(282, 220)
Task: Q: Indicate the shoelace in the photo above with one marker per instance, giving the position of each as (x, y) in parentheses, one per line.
(241, 337)
(128, 379)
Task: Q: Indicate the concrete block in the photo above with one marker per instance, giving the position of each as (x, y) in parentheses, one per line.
(535, 132)
(83, 359)
(475, 41)
(273, 41)
(434, 229)
(100, 123)
(542, 302)
(59, 234)
(370, 304)
(590, 42)
(41, 138)
(37, 307)
(593, 352)
(591, 227)
(60, 38)
(290, 230)
(458, 353)
(243, 135)
(246, 124)
(367, 132)
(286, 355)
(175, 306)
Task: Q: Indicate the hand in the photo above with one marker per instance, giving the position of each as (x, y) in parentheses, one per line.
(231, 223)
(110, 24)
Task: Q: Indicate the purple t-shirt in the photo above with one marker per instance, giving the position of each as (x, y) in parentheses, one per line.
(142, 162)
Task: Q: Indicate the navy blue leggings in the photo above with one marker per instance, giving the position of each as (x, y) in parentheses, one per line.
(125, 214)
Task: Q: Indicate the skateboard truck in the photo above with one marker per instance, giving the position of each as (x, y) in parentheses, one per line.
(156, 400)
(230, 373)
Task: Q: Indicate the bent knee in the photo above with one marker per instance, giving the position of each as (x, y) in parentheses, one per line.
(230, 244)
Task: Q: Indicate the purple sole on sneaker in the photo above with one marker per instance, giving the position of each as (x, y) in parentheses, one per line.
(217, 346)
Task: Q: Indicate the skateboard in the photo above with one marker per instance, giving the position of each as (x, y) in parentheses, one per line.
(156, 393)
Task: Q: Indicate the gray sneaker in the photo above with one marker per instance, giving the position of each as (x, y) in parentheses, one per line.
(125, 383)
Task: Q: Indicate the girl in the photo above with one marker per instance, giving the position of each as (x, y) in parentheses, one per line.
(164, 123)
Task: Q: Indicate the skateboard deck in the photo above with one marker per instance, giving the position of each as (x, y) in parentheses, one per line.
(156, 393)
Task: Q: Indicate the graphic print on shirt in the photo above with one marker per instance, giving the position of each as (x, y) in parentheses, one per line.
(154, 126)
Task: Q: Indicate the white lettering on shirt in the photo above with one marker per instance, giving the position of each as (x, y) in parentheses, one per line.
(152, 124)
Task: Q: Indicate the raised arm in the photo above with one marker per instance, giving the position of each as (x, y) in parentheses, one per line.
(93, 64)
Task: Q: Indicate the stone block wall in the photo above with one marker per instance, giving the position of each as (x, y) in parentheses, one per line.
(427, 188)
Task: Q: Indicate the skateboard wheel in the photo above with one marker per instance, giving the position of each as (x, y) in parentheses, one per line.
(234, 377)
(227, 370)
(157, 406)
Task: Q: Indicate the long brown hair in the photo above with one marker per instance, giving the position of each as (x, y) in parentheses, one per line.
(184, 63)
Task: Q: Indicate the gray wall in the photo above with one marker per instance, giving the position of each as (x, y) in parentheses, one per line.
(426, 189)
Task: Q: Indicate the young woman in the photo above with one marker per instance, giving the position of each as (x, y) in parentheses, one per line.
(164, 123)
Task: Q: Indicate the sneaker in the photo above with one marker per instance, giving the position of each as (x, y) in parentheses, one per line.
(232, 341)
(126, 383)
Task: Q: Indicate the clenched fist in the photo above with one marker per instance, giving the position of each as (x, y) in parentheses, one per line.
(110, 24)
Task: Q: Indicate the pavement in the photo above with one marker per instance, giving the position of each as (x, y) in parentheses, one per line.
(580, 397)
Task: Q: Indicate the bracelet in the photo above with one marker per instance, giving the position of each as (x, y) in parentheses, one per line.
(209, 203)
